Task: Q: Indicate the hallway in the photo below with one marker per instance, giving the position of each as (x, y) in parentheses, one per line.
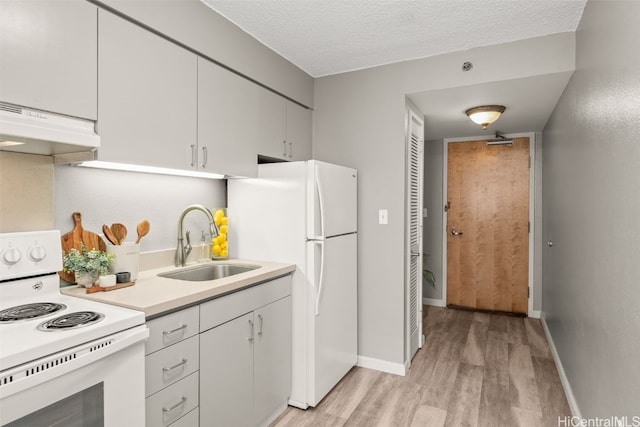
(475, 369)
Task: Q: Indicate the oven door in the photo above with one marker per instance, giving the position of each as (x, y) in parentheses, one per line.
(99, 384)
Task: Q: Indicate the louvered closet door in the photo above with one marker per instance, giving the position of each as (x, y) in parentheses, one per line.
(415, 148)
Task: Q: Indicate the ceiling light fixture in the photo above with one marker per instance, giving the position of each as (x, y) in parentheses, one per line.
(484, 115)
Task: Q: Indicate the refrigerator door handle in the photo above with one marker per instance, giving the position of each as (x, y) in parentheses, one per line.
(321, 280)
(320, 202)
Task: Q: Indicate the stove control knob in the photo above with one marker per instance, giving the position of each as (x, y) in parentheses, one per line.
(37, 253)
(11, 256)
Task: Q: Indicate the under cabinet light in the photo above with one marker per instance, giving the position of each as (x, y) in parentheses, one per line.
(148, 169)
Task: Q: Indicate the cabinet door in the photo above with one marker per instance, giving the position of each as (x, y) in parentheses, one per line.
(226, 374)
(147, 96)
(49, 55)
(226, 121)
(299, 124)
(270, 125)
(272, 358)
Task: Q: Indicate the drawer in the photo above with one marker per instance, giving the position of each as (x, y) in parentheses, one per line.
(172, 328)
(170, 404)
(192, 419)
(223, 309)
(166, 366)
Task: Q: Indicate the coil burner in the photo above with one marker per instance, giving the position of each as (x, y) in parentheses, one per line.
(73, 320)
(29, 311)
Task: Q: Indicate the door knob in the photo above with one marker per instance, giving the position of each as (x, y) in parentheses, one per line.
(454, 232)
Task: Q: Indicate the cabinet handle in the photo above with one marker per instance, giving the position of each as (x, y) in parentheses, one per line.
(179, 328)
(284, 147)
(177, 365)
(251, 331)
(193, 155)
(205, 156)
(184, 399)
(291, 150)
(261, 321)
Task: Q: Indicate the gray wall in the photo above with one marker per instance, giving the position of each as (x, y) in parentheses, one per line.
(359, 121)
(591, 189)
(432, 236)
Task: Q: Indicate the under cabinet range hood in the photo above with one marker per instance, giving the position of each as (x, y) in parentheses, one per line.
(27, 130)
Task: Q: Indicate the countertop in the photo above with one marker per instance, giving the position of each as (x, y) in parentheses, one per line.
(158, 295)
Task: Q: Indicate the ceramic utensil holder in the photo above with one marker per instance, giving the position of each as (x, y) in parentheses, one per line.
(127, 258)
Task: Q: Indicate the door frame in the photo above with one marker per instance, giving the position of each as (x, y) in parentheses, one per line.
(533, 289)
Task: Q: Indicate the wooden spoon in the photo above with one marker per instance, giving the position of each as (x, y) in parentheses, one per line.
(109, 235)
(119, 231)
(142, 229)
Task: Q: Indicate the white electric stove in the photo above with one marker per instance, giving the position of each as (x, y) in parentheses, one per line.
(60, 355)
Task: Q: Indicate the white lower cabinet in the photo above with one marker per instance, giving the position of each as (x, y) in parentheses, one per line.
(245, 369)
(225, 362)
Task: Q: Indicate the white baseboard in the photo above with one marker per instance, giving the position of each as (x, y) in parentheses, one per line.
(435, 302)
(535, 314)
(573, 405)
(382, 365)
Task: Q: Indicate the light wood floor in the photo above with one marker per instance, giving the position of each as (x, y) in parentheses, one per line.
(475, 369)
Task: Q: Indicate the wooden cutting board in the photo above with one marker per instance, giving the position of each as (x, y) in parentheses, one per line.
(75, 238)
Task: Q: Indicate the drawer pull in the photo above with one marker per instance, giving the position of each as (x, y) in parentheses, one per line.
(177, 365)
(179, 328)
(184, 399)
(261, 321)
(251, 331)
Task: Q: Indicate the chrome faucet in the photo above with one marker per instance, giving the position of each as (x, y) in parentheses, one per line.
(183, 251)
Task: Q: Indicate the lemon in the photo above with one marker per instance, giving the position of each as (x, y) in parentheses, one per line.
(224, 220)
(222, 237)
(223, 245)
(218, 214)
(215, 249)
(224, 228)
(217, 221)
(223, 253)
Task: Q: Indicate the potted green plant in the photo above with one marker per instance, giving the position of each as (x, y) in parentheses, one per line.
(87, 265)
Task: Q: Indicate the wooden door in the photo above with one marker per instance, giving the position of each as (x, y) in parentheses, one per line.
(488, 225)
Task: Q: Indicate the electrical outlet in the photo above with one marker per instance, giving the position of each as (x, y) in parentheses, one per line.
(424, 213)
(383, 216)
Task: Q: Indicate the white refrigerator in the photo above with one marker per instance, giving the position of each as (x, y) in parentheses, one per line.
(305, 213)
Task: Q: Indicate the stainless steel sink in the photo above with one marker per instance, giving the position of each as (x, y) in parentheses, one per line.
(201, 273)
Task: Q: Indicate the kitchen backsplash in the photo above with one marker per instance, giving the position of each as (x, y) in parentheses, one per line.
(36, 195)
(109, 196)
(26, 192)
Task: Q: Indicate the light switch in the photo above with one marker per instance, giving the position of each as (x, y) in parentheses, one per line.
(383, 216)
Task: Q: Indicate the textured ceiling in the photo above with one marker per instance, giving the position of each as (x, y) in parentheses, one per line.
(325, 37)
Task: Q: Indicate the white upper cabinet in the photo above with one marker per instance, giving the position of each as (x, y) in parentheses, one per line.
(298, 132)
(271, 122)
(147, 97)
(48, 56)
(227, 114)
(285, 128)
